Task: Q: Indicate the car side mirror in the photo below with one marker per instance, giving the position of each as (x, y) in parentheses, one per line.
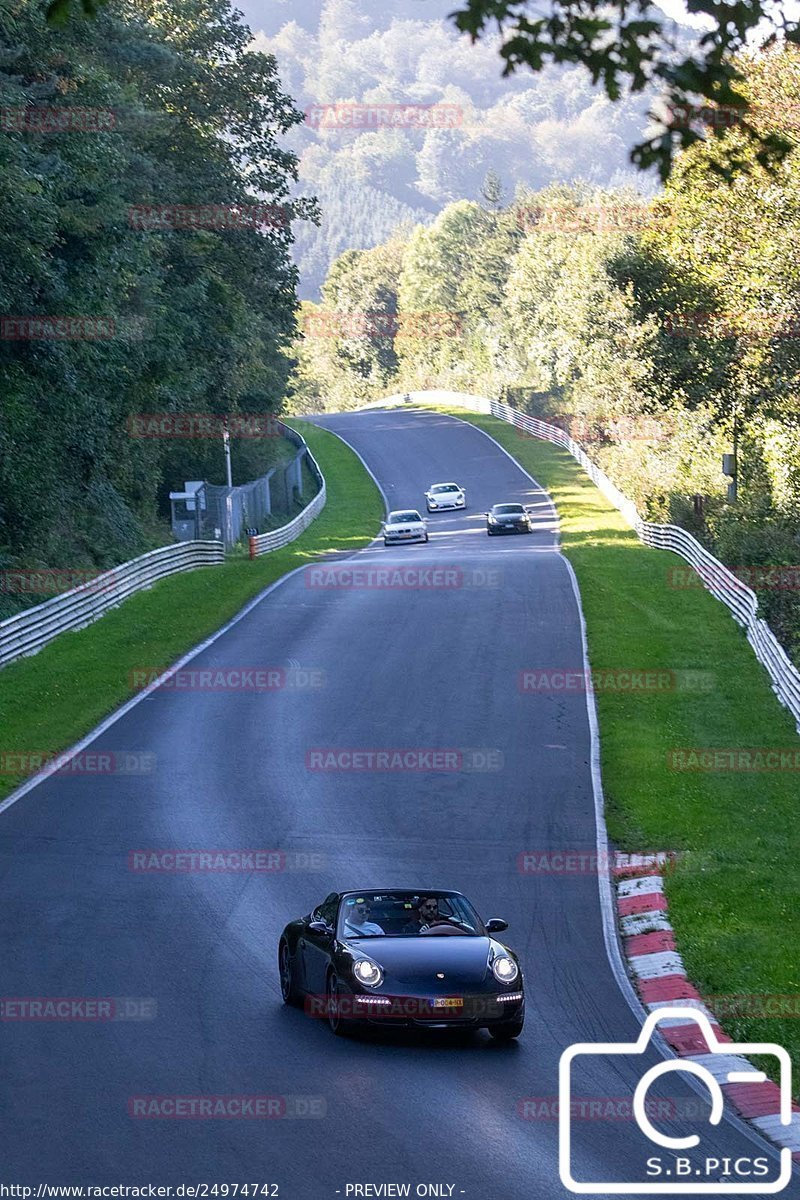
(496, 925)
(321, 927)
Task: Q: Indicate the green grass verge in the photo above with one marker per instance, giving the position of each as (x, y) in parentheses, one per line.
(49, 701)
(734, 897)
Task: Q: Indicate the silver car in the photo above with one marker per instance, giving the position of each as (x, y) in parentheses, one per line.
(404, 525)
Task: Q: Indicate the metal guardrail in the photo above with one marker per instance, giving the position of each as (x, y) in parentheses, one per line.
(715, 576)
(262, 543)
(28, 631)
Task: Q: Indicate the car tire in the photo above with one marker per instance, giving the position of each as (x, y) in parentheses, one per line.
(425, 539)
(506, 1033)
(385, 542)
(289, 990)
(335, 1023)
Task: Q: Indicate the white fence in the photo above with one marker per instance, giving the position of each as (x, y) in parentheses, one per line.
(264, 542)
(715, 576)
(28, 631)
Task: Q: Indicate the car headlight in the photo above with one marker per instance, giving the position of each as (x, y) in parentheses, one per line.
(491, 519)
(368, 972)
(505, 969)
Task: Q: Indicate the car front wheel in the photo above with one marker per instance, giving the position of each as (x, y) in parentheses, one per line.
(335, 1022)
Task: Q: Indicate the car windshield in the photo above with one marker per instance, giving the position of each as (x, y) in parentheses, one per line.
(396, 518)
(508, 508)
(444, 487)
(406, 914)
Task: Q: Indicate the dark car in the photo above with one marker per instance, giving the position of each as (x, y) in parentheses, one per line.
(402, 957)
(508, 518)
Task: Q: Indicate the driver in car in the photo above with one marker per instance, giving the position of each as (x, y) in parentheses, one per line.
(427, 915)
(356, 923)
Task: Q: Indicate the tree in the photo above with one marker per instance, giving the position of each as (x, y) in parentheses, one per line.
(200, 319)
(626, 46)
(492, 190)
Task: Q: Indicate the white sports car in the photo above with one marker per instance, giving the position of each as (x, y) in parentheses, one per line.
(404, 525)
(445, 495)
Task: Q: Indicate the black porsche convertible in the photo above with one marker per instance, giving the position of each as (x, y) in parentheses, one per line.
(402, 957)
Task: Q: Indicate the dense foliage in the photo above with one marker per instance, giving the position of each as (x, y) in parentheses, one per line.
(196, 319)
(532, 129)
(630, 44)
(657, 332)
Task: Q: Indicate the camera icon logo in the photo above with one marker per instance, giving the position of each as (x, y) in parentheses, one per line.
(692, 1171)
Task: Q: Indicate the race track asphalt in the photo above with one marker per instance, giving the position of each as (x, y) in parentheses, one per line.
(370, 666)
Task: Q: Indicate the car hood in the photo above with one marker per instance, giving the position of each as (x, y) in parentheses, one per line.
(415, 961)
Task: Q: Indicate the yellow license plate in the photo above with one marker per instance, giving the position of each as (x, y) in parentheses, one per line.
(448, 1002)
